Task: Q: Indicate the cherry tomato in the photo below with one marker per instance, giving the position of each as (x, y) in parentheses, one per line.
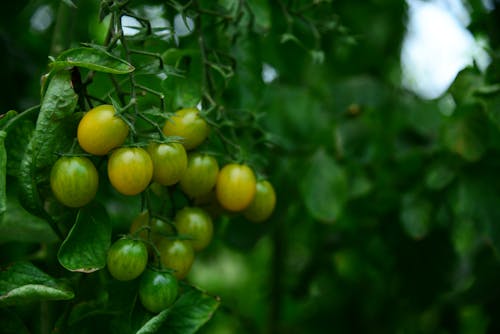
(127, 259)
(101, 130)
(177, 255)
(236, 187)
(157, 290)
(196, 223)
(130, 170)
(169, 162)
(263, 203)
(200, 175)
(74, 181)
(158, 227)
(188, 124)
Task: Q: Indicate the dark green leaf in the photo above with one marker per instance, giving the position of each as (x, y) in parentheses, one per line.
(415, 216)
(3, 174)
(54, 132)
(5, 118)
(85, 247)
(191, 311)
(324, 187)
(92, 59)
(19, 225)
(22, 283)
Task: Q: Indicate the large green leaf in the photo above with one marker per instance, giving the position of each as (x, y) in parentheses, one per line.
(19, 225)
(324, 187)
(191, 311)
(22, 283)
(85, 247)
(92, 59)
(54, 132)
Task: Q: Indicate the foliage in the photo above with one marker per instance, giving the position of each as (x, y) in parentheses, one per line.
(386, 215)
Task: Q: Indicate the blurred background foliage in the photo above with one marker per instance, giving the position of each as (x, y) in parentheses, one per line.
(388, 216)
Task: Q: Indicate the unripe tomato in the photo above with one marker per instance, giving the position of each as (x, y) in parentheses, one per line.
(157, 290)
(101, 130)
(127, 259)
(130, 170)
(236, 187)
(169, 162)
(177, 255)
(263, 203)
(188, 124)
(200, 175)
(74, 181)
(197, 224)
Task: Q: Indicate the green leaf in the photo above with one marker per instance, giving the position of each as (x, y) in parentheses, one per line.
(415, 216)
(19, 225)
(5, 118)
(92, 59)
(85, 247)
(54, 132)
(23, 283)
(324, 187)
(191, 311)
(18, 138)
(3, 173)
(466, 137)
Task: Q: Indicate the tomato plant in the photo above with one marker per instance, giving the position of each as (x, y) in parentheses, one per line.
(188, 124)
(74, 181)
(157, 290)
(177, 255)
(169, 162)
(145, 226)
(127, 259)
(263, 203)
(200, 175)
(197, 224)
(130, 170)
(101, 129)
(236, 186)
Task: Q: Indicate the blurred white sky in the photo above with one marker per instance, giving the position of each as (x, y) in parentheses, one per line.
(438, 45)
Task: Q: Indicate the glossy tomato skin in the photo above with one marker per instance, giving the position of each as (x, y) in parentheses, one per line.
(200, 175)
(169, 162)
(196, 223)
(236, 187)
(188, 124)
(74, 181)
(177, 255)
(127, 259)
(263, 203)
(157, 290)
(100, 130)
(130, 170)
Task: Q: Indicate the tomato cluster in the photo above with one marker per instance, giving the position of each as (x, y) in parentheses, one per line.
(168, 244)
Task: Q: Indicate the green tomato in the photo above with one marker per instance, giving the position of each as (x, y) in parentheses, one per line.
(197, 224)
(74, 181)
(177, 255)
(169, 162)
(200, 176)
(127, 259)
(157, 290)
(263, 203)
